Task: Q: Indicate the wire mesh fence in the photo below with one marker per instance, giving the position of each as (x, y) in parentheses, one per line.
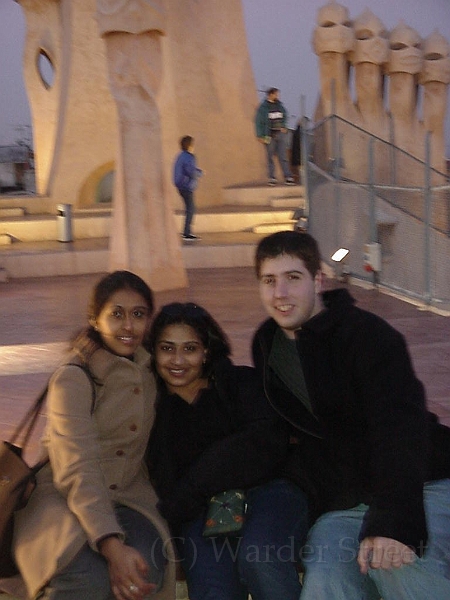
(379, 195)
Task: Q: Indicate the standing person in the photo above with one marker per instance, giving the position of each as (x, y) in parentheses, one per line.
(374, 462)
(271, 130)
(299, 162)
(296, 151)
(185, 175)
(91, 528)
(214, 432)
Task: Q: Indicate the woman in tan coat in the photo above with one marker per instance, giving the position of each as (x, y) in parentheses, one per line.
(91, 529)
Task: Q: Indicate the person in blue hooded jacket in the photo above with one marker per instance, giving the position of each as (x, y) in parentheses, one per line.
(185, 175)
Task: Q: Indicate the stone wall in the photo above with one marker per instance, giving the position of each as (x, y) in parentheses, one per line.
(207, 90)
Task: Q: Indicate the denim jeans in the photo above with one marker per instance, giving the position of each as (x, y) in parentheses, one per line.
(87, 577)
(278, 147)
(188, 199)
(262, 561)
(332, 572)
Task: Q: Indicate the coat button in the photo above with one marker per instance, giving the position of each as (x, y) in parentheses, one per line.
(133, 427)
(113, 486)
(120, 453)
(136, 390)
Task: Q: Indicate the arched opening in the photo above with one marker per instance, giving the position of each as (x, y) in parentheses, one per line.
(97, 189)
(104, 193)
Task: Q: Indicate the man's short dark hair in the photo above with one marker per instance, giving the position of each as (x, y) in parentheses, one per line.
(271, 91)
(186, 142)
(293, 243)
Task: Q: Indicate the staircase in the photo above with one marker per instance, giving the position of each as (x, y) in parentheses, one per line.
(29, 245)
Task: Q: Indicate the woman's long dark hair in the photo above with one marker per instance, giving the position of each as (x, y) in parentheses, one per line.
(205, 326)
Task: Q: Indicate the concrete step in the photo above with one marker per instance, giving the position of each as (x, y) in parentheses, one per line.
(293, 202)
(229, 232)
(50, 258)
(90, 223)
(260, 194)
(12, 211)
(253, 193)
(229, 218)
(96, 223)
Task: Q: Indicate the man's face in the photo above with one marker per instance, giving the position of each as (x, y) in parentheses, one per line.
(274, 96)
(288, 292)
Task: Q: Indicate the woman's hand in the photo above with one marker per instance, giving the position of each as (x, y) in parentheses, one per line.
(127, 570)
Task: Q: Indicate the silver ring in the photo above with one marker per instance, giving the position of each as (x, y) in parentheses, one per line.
(133, 588)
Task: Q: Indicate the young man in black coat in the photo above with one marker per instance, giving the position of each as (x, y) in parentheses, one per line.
(363, 445)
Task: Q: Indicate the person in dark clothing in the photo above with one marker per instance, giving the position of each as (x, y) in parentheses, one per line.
(271, 130)
(214, 432)
(296, 158)
(296, 148)
(185, 175)
(374, 462)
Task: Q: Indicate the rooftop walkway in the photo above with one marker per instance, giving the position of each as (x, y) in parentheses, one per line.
(38, 316)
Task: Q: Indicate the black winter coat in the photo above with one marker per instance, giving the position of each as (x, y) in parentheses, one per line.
(242, 444)
(368, 440)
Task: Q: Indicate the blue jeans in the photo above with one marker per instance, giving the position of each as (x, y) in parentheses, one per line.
(332, 572)
(87, 576)
(278, 147)
(188, 199)
(262, 562)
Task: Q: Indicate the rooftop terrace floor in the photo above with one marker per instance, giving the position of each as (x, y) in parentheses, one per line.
(38, 316)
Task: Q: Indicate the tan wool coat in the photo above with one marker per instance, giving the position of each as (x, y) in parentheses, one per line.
(96, 459)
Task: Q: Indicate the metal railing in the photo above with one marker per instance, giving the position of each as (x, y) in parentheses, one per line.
(350, 207)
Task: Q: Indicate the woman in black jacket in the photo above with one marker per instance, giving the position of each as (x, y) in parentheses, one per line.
(215, 432)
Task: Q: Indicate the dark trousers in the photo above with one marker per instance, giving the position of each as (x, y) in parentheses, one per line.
(188, 199)
(262, 561)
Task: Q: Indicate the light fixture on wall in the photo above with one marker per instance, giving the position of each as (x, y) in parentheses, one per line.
(342, 272)
(340, 255)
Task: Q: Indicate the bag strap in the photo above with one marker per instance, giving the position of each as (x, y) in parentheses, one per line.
(92, 381)
(28, 422)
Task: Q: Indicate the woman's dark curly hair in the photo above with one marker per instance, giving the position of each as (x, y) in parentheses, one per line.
(205, 326)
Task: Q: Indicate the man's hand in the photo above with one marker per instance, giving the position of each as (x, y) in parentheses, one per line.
(383, 553)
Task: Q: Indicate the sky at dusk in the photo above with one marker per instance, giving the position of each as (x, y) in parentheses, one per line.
(279, 41)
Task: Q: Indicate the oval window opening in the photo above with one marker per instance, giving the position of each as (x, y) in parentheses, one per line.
(46, 69)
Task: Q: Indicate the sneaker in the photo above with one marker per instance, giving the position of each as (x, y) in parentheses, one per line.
(191, 237)
(272, 181)
(289, 181)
